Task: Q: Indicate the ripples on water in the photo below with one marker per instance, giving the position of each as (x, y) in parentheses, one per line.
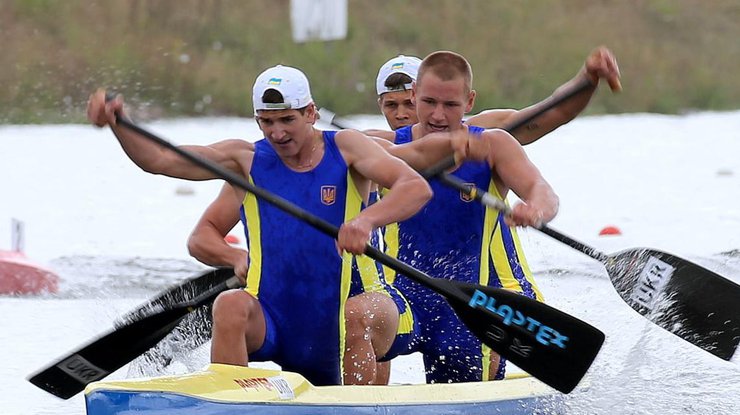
(106, 277)
(141, 278)
(641, 370)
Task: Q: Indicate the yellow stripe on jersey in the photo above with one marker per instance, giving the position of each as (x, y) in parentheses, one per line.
(390, 241)
(251, 212)
(525, 266)
(486, 362)
(498, 253)
(371, 278)
(366, 266)
(500, 256)
(406, 319)
(390, 237)
(352, 207)
(489, 225)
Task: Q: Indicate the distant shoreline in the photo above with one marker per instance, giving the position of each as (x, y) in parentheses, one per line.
(191, 58)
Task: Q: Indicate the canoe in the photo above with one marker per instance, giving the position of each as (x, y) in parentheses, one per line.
(20, 275)
(224, 389)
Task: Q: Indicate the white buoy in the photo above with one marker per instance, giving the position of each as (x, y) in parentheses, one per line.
(724, 172)
(184, 190)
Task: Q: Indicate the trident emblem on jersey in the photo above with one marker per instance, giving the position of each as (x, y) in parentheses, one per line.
(464, 196)
(328, 195)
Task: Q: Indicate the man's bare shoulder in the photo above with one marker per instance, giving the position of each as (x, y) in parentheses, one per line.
(498, 135)
(234, 144)
(500, 145)
(384, 134)
(355, 145)
(350, 138)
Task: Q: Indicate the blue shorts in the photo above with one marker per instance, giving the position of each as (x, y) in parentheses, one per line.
(408, 331)
(452, 353)
(281, 350)
(275, 349)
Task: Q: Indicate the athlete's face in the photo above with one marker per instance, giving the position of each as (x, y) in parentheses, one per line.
(441, 105)
(287, 130)
(398, 108)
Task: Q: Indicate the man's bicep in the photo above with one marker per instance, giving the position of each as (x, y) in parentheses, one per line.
(232, 155)
(375, 163)
(516, 170)
(223, 213)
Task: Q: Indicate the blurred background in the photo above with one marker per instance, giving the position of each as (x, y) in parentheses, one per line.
(200, 57)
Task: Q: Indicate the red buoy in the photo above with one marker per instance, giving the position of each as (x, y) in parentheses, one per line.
(19, 275)
(610, 230)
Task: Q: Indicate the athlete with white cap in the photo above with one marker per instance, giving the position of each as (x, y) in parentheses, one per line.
(455, 236)
(298, 286)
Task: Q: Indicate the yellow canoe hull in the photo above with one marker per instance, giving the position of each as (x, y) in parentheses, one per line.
(223, 389)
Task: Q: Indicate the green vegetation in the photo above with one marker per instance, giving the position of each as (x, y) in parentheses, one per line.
(200, 57)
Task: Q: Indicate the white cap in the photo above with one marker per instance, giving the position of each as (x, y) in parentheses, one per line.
(408, 65)
(290, 82)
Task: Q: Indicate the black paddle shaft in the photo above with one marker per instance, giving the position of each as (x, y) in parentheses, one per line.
(532, 343)
(592, 252)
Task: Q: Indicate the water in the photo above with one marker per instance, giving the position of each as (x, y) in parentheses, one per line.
(117, 236)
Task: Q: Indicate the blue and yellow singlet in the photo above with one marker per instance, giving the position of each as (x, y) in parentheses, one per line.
(295, 270)
(457, 238)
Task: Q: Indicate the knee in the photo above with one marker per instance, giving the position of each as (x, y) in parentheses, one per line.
(370, 312)
(356, 318)
(233, 308)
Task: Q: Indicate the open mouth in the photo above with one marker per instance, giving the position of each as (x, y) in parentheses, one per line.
(283, 142)
(437, 127)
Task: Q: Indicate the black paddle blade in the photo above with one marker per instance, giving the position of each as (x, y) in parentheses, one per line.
(192, 331)
(69, 376)
(684, 298)
(94, 361)
(182, 292)
(552, 346)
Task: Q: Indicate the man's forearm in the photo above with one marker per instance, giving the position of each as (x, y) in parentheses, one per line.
(405, 198)
(426, 152)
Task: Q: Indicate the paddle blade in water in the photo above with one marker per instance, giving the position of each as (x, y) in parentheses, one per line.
(192, 332)
(108, 353)
(684, 298)
(182, 292)
(69, 376)
(552, 346)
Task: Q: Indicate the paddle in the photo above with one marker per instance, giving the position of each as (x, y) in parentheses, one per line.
(108, 353)
(193, 331)
(179, 293)
(553, 346)
(690, 301)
